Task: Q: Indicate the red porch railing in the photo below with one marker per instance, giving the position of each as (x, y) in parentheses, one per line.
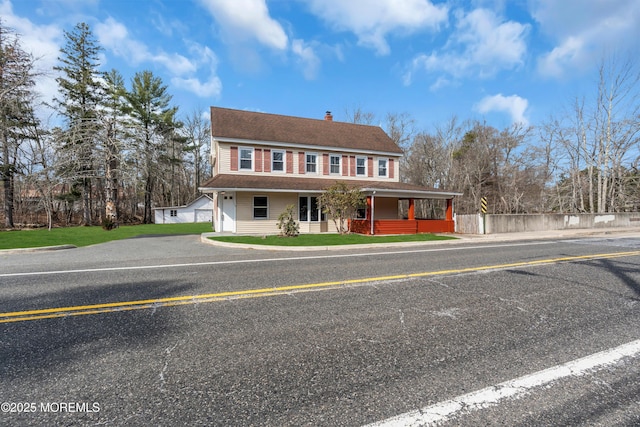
(403, 226)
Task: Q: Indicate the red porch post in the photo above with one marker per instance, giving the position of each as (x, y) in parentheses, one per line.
(412, 209)
(449, 213)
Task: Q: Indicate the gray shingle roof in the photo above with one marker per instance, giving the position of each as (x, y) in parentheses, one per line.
(249, 125)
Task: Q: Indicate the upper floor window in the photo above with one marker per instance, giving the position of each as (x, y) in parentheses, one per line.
(277, 161)
(361, 166)
(382, 167)
(246, 158)
(334, 164)
(312, 163)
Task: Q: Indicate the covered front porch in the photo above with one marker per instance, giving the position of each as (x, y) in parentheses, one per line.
(251, 204)
(379, 224)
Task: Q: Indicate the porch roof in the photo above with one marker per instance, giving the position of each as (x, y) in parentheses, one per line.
(289, 184)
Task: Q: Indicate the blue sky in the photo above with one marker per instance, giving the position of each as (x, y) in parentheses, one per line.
(502, 61)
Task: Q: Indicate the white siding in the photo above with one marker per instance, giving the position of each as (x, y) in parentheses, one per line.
(200, 210)
(277, 204)
(224, 158)
(224, 163)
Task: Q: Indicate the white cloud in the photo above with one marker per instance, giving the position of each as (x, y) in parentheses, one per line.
(307, 58)
(513, 105)
(114, 36)
(373, 20)
(584, 32)
(482, 43)
(207, 61)
(247, 19)
(175, 63)
(209, 89)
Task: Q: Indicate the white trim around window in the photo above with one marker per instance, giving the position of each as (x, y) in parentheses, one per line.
(260, 207)
(245, 158)
(311, 163)
(383, 167)
(278, 161)
(335, 168)
(361, 165)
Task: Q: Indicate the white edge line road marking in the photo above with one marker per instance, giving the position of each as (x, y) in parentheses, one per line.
(513, 389)
(244, 261)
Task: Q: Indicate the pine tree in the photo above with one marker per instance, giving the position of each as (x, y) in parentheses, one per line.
(81, 94)
(155, 122)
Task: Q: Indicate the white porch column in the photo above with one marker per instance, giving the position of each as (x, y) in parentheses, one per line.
(373, 204)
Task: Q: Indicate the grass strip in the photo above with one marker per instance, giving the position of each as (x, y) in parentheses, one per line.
(85, 236)
(329, 239)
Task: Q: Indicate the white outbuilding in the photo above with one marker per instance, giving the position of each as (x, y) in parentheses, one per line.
(200, 210)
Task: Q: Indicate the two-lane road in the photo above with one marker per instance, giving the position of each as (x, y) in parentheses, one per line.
(166, 331)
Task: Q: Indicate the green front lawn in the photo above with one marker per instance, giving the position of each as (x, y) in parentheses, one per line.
(84, 236)
(329, 239)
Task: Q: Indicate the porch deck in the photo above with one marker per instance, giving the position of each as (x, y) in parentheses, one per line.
(403, 226)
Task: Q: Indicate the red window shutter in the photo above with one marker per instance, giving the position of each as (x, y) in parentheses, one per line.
(301, 168)
(391, 169)
(234, 158)
(258, 166)
(370, 166)
(267, 160)
(352, 165)
(345, 166)
(325, 164)
(289, 161)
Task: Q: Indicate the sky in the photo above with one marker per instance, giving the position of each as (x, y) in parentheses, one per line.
(498, 61)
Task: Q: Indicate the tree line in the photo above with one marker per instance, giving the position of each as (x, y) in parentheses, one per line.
(584, 159)
(117, 152)
(120, 149)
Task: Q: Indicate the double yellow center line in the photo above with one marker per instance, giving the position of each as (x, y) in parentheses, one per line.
(80, 310)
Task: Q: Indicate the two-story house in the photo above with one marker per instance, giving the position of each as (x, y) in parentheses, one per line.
(264, 162)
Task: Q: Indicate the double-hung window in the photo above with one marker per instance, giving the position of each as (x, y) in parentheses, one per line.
(382, 167)
(312, 163)
(260, 207)
(361, 166)
(334, 164)
(246, 158)
(277, 161)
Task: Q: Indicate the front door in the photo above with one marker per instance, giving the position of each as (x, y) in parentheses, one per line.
(228, 207)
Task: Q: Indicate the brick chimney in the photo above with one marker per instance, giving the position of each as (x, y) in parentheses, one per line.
(328, 117)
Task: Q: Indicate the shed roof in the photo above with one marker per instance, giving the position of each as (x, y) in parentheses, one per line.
(249, 125)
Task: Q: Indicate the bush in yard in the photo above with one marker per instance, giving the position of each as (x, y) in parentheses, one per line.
(287, 223)
(109, 224)
(341, 202)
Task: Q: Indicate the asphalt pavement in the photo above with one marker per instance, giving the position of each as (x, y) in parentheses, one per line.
(460, 238)
(167, 330)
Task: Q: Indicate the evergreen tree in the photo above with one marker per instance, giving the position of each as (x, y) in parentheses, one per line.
(81, 94)
(155, 123)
